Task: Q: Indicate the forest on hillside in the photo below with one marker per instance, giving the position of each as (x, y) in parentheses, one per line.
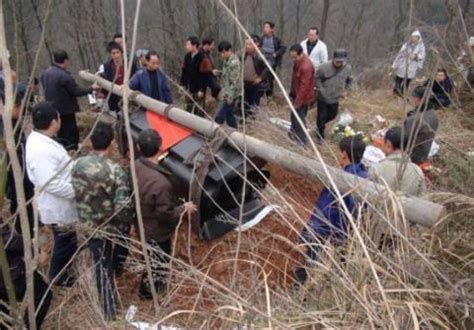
(203, 183)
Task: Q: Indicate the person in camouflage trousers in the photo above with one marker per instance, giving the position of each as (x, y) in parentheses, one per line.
(103, 198)
(231, 86)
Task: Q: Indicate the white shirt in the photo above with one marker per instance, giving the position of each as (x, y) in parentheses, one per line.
(319, 54)
(44, 158)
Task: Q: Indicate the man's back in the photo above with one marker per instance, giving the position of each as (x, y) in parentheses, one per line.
(48, 169)
(102, 189)
(410, 181)
(159, 211)
(61, 89)
(422, 126)
(328, 218)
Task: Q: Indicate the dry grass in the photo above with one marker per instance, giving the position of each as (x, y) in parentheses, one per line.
(423, 280)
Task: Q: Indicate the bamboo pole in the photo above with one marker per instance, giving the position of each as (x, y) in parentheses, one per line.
(417, 210)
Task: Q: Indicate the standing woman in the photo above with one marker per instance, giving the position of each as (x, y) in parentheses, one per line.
(409, 60)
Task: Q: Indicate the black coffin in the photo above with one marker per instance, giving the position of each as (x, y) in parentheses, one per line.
(225, 199)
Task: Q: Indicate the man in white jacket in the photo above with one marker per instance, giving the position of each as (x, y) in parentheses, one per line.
(314, 48)
(49, 169)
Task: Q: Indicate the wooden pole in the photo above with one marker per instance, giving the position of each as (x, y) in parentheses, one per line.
(417, 210)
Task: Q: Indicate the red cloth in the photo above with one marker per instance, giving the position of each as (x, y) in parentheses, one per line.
(206, 65)
(302, 82)
(120, 75)
(170, 132)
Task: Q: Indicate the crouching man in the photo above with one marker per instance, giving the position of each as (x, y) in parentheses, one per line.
(328, 220)
(159, 207)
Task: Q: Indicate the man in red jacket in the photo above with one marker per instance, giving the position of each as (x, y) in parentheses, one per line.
(302, 92)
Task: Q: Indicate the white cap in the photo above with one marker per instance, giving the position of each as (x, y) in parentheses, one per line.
(471, 41)
(416, 33)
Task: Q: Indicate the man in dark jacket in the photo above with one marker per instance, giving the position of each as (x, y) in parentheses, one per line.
(61, 89)
(20, 141)
(151, 81)
(13, 244)
(420, 126)
(272, 48)
(208, 67)
(114, 71)
(302, 91)
(333, 82)
(192, 78)
(256, 76)
(160, 210)
(441, 90)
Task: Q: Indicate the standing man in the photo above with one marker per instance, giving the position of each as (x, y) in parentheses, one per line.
(61, 89)
(140, 54)
(118, 39)
(302, 91)
(314, 48)
(230, 85)
(420, 126)
(103, 202)
(49, 168)
(208, 68)
(192, 79)
(114, 70)
(272, 48)
(29, 189)
(152, 81)
(256, 75)
(333, 82)
(160, 210)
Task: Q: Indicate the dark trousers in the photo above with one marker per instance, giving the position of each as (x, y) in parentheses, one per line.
(102, 253)
(326, 113)
(29, 190)
(65, 245)
(68, 134)
(296, 130)
(437, 102)
(159, 269)
(252, 96)
(40, 291)
(119, 254)
(226, 114)
(401, 84)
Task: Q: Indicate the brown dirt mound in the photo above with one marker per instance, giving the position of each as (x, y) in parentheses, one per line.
(266, 250)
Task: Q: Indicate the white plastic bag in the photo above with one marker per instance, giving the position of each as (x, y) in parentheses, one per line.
(345, 119)
(434, 150)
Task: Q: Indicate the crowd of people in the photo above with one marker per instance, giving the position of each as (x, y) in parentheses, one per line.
(96, 190)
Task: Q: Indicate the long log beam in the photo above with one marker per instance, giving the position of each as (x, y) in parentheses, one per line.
(417, 210)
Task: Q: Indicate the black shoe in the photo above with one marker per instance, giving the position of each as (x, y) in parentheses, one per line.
(145, 293)
(301, 275)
